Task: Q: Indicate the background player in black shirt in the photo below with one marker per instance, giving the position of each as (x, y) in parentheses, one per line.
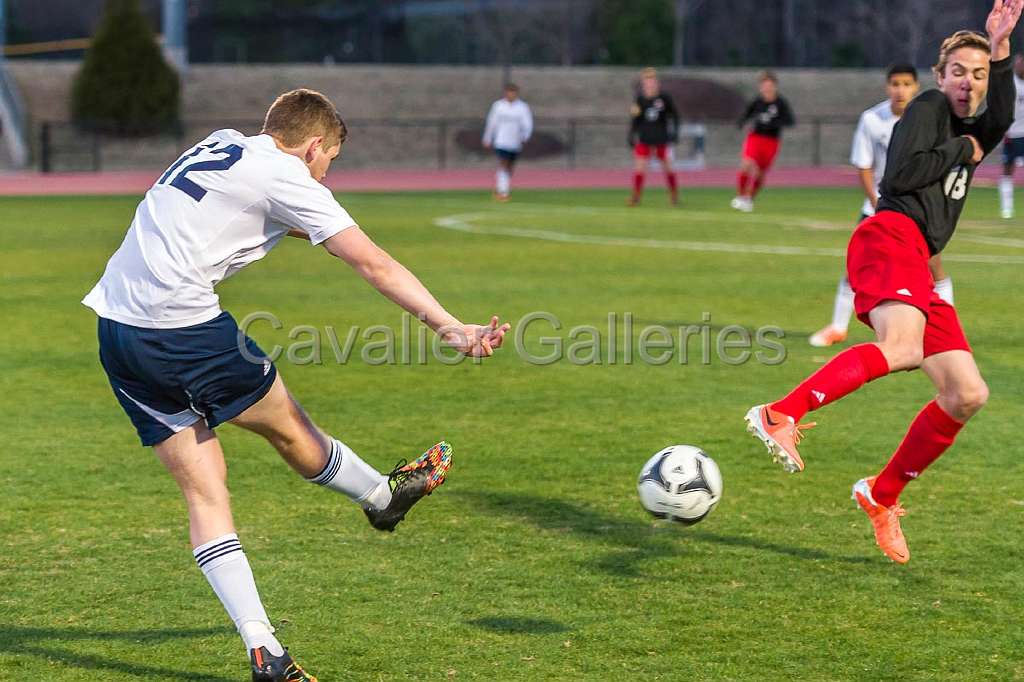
(932, 156)
(767, 115)
(653, 130)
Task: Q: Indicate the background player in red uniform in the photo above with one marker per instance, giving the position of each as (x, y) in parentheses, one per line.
(655, 126)
(934, 151)
(767, 115)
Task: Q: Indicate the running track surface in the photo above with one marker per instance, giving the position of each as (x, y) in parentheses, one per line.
(137, 182)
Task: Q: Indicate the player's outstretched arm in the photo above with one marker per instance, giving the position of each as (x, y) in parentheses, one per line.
(1000, 24)
(392, 279)
(991, 126)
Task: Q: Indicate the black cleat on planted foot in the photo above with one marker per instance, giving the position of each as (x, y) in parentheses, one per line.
(410, 483)
(269, 668)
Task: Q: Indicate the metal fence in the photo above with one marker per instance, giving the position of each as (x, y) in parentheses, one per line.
(452, 143)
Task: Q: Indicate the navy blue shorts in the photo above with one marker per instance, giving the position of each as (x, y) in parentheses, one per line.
(1013, 149)
(506, 155)
(168, 379)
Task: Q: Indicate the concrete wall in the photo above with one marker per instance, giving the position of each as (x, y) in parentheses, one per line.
(370, 95)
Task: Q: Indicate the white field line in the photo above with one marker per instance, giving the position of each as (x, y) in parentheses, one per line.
(465, 222)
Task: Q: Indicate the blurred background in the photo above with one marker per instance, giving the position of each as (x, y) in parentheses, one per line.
(414, 78)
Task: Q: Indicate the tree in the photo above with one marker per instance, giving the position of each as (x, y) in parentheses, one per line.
(124, 85)
(636, 32)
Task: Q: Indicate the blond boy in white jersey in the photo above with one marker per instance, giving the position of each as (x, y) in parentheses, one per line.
(179, 365)
(868, 155)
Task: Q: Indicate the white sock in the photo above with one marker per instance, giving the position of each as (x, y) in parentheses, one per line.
(223, 563)
(944, 288)
(354, 478)
(502, 181)
(1006, 194)
(843, 306)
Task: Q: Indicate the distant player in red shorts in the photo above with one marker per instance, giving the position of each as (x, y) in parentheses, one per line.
(767, 116)
(934, 151)
(653, 131)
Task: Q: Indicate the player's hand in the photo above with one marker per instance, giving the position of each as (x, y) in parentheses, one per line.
(1001, 22)
(476, 340)
(979, 153)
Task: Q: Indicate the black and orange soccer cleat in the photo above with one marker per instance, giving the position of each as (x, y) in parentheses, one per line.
(269, 668)
(410, 483)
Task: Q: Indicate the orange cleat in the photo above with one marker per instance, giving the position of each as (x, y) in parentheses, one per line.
(780, 434)
(886, 521)
(827, 336)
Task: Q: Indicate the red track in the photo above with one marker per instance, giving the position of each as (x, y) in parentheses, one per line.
(137, 182)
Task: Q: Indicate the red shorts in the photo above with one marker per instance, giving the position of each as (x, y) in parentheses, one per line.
(761, 149)
(887, 260)
(643, 151)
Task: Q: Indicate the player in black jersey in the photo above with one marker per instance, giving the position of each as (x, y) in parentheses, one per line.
(934, 150)
(653, 130)
(767, 115)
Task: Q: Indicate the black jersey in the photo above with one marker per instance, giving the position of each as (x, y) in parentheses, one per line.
(655, 120)
(769, 117)
(928, 169)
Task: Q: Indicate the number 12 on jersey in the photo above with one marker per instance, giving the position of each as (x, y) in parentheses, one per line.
(232, 153)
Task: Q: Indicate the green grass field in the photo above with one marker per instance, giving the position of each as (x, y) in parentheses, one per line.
(535, 560)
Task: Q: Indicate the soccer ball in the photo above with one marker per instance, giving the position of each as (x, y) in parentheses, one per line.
(680, 483)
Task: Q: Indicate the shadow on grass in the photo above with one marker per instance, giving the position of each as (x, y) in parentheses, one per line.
(514, 625)
(637, 543)
(24, 640)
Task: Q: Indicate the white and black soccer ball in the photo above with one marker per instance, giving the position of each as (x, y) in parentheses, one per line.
(680, 483)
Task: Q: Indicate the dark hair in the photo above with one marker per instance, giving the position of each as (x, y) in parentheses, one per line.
(511, 86)
(768, 75)
(901, 68)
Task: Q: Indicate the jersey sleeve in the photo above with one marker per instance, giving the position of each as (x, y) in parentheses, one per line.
(527, 128)
(991, 126)
(914, 160)
(489, 127)
(304, 204)
(747, 113)
(786, 117)
(862, 152)
(671, 119)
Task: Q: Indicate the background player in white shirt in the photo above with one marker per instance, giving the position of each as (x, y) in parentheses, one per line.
(509, 126)
(179, 365)
(870, 145)
(1013, 145)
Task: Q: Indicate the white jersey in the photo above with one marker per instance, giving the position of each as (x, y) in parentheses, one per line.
(1017, 128)
(871, 144)
(221, 206)
(509, 125)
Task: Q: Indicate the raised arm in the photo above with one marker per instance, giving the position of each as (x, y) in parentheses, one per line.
(392, 279)
(991, 126)
(914, 160)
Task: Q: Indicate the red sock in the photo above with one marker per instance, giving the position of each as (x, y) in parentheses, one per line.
(757, 186)
(673, 182)
(742, 182)
(929, 435)
(638, 184)
(840, 376)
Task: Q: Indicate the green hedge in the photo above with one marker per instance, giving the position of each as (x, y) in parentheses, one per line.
(125, 86)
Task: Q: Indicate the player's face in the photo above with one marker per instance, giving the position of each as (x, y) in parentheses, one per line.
(768, 89)
(650, 87)
(965, 80)
(318, 159)
(511, 95)
(901, 88)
